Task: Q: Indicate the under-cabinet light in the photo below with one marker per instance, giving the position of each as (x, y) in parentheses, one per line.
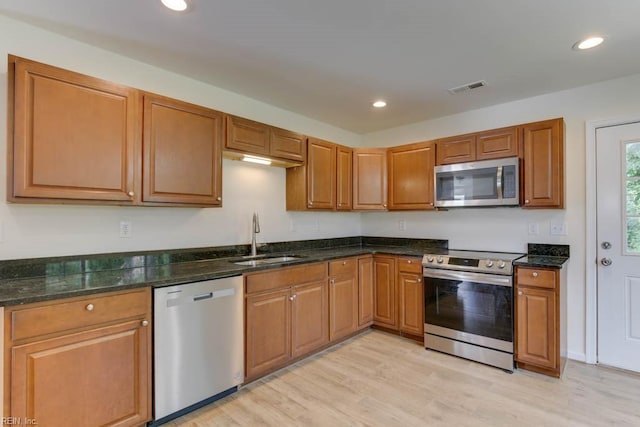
(255, 159)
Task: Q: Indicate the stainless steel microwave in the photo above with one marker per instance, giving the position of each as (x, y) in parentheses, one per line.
(482, 183)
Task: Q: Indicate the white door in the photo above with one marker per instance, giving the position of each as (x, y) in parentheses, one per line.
(618, 239)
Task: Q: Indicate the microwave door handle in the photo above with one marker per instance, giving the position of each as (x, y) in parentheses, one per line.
(499, 182)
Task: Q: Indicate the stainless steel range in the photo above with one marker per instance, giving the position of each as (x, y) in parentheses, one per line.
(469, 305)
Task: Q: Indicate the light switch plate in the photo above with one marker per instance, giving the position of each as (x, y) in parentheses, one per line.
(402, 225)
(558, 229)
(125, 229)
(533, 228)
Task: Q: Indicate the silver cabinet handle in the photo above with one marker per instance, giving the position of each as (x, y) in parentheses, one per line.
(145, 323)
(606, 262)
(89, 307)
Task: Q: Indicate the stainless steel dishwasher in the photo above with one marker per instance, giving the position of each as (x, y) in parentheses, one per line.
(199, 344)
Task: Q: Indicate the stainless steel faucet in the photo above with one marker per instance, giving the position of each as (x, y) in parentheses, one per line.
(255, 229)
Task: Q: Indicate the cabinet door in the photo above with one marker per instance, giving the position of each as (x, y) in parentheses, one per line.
(497, 143)
(288, 145)
(385, 295)
(310, 318)
(97, 377)
(543, 164)
(74, 136)
(370, 179)
(247, 136)
(411, 292)
(411, 176)
(343, 298)
(536, 327)
(182, 153)
(365, 291)
(344, 179)
(456, 149)
(321, 174)
(268, 331)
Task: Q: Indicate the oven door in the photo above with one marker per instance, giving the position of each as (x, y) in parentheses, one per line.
(471, 307)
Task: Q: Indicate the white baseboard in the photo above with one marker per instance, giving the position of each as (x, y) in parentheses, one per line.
(580, 357)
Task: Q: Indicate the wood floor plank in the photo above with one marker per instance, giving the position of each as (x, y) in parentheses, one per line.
(378, 379)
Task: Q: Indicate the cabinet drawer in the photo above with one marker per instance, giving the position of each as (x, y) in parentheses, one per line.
(410, 265)
(536, 277)
(283, 277)
(343, 267)
(50, 318)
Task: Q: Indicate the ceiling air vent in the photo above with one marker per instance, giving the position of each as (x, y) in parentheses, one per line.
(466, 87)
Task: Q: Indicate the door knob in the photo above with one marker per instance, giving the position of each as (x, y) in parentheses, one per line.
(605, 245)
(606, 262)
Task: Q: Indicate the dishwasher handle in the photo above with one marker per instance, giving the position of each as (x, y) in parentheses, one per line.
(210, 295)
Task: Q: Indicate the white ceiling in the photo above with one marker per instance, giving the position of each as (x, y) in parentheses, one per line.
(329, 59)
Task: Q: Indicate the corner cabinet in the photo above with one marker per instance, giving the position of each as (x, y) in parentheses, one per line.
(540, 320)
(370, 179)
(410, 170)
(182, 158)
(83, 361)
(543, 164)
(71, 136)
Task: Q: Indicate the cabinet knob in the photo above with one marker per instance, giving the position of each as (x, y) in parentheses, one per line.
(131, 194)
(526, 201)
(384, 205)
(219, 198)
(344, 262)
(292, 297)
(409, 262)
(534, 274)
(89, 307)
(333, 281)
(145, 323)
(519, 292)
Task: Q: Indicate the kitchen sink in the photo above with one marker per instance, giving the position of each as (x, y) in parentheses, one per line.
(267, 260)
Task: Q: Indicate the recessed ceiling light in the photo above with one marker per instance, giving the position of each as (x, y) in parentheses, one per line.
(177, 5)
(588, 43)
(380, 104)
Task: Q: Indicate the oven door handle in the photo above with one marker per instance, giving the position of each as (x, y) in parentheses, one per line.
(489, 279)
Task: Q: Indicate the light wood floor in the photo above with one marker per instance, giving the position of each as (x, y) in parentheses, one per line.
(377, 379)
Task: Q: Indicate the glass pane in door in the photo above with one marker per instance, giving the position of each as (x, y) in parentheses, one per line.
(632, 198)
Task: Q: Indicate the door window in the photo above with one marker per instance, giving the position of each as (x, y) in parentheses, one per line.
(632, 199)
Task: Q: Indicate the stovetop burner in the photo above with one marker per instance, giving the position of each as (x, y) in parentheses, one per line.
(475, 261)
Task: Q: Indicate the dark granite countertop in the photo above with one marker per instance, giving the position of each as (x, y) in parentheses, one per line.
(26, 281)
(544, 256)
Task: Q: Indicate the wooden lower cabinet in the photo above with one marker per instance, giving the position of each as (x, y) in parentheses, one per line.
(540, 339)
(365, 291)
(287, 316)
(385, 311)
(411, 296)
(343, 298)
(96, 373)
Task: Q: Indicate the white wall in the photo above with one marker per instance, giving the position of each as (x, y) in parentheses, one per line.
(505, 229)
(40, 230)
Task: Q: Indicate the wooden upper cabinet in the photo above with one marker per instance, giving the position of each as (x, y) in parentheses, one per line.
(491, 144)
(543, 164)
(411, 176)
(344, 178)
(247, 136)
(289, 145)
(182, 160)
(74, 136)
(456, 149)
(370, 179)
(321, 178)
(497, 143)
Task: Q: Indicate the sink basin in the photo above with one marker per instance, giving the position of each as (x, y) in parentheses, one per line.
(267, 260)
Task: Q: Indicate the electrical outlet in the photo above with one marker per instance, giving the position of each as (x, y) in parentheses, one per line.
(402, 225)
(1, 236)
(317, 225)
(558, 229)
(125, 229)
(292, 226)
(534, 229)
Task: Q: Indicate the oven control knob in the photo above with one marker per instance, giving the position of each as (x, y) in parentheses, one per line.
(489, 264)
(440, 260)
(502, 264)
(430, 258)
